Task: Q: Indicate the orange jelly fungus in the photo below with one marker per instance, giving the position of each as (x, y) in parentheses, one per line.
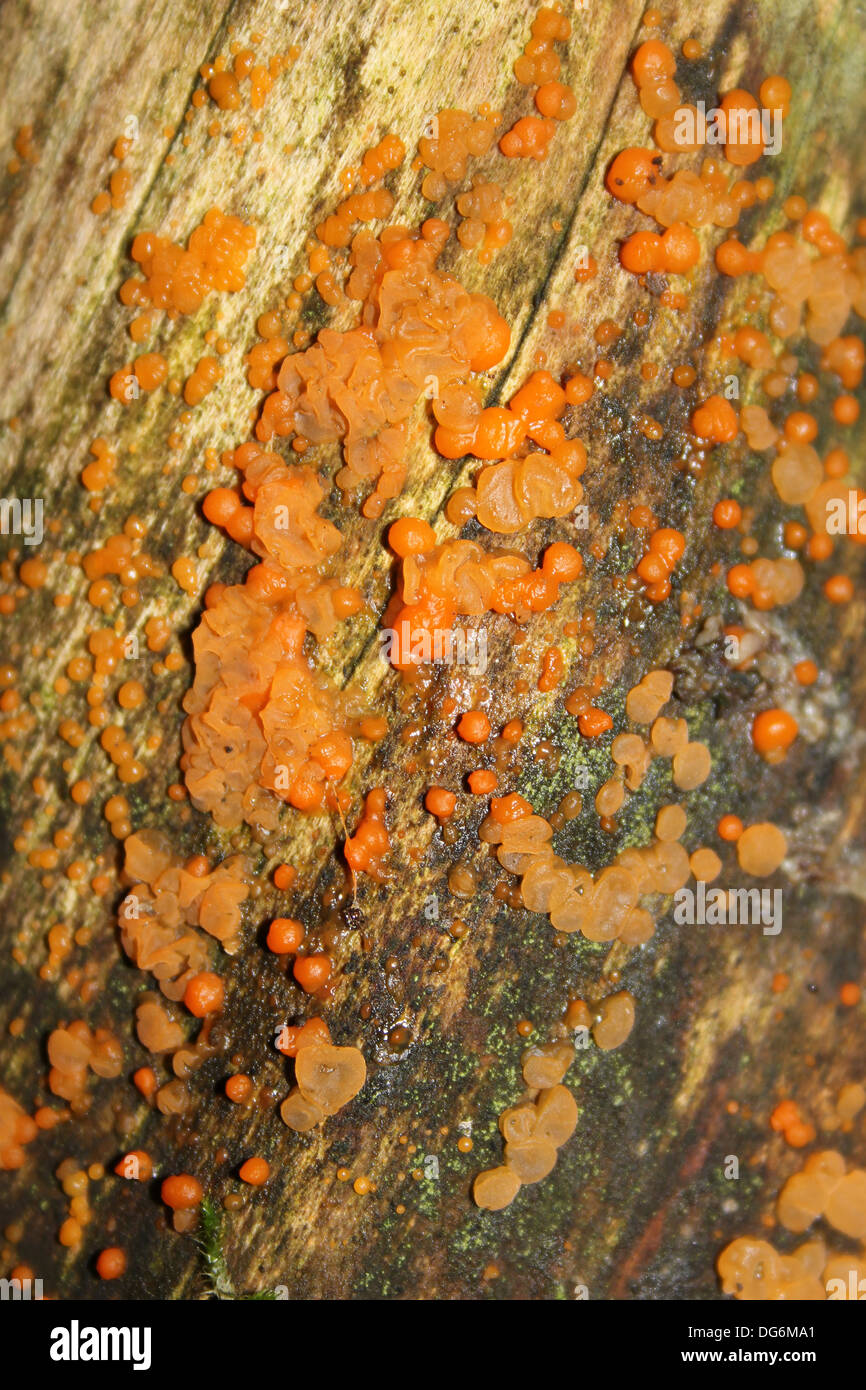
(367, 849)
(255, 1172)
(386, 382)
(111, 1262)
(181, 1192)
(177, 278)
(773, 732)
(285, 935)
(204, 994)
(360, 386)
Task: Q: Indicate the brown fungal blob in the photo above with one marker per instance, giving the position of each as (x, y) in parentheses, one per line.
(299, 1113)
(531, 1160)
(495, 1188)
(556, 1111)
(546, 1066)
(330, 1076)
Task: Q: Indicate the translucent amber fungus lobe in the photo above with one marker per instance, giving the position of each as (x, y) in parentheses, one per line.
(761, 849)
(263, 726)
(360, 386)
(329, 1077)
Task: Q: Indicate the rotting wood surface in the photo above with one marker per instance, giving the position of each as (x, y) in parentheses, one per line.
(637, 1205)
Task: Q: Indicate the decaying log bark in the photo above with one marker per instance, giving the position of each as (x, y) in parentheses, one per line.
(638, 1205)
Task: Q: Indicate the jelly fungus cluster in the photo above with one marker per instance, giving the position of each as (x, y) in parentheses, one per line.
(296, 744)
